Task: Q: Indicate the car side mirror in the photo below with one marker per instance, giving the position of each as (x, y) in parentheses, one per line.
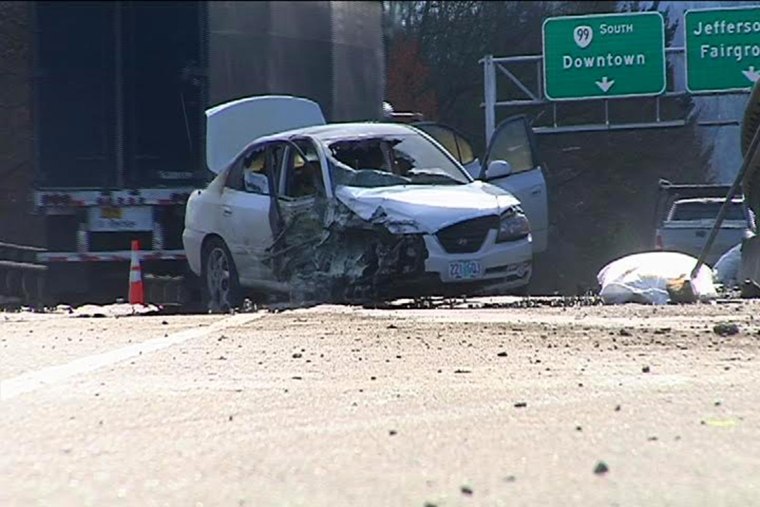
(498, 169)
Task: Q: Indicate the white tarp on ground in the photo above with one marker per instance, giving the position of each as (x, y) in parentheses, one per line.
(646, 277)
(727, 268)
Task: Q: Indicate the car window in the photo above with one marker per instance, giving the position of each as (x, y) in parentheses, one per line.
(250, 172)
(234, 179)
(454, 143)
(512, 143)
(408, 159)
(303, 174)
(706, 211)
(255, 172)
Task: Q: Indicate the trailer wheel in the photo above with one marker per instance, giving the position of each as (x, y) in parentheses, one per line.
(221, 286)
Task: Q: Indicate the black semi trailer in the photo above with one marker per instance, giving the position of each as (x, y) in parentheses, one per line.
(102, 117)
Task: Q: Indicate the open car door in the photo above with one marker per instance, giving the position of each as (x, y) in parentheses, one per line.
(512, 142)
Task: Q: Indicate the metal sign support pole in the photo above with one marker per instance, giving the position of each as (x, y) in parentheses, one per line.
(489, 77)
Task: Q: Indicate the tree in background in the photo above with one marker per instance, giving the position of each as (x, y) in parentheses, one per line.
(408, 85)
(603, 185)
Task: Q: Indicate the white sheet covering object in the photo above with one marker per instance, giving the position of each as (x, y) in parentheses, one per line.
(727, 267)
(644, 277)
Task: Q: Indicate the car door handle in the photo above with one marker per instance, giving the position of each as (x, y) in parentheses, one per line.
(227, 211)
(535, 191)
(701, 234)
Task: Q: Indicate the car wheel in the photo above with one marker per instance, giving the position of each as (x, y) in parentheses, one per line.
(221, 287)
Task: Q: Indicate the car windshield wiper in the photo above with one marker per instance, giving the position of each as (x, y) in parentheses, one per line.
(431, 177)
(375, 178)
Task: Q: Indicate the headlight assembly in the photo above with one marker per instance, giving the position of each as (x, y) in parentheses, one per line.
(513, 225)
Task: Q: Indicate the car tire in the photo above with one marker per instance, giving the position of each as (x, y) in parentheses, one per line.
(220, 283)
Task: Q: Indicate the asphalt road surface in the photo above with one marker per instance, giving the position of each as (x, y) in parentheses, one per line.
(333, 406)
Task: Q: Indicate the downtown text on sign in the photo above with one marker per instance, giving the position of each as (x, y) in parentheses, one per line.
(604, 55)
(722, 49)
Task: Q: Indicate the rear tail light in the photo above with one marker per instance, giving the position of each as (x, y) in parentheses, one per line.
(658, 242)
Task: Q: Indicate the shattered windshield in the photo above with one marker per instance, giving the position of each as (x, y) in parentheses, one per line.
(387, 161)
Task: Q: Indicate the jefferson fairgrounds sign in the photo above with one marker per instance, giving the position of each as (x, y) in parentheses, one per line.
(604, 55)
(722, 49)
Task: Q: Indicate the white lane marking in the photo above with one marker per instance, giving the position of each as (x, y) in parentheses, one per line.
(30, 381)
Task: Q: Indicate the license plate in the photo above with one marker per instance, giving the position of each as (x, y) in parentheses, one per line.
(127, 218)
(464, 270)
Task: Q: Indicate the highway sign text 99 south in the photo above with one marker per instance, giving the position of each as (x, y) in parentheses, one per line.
(604, 55)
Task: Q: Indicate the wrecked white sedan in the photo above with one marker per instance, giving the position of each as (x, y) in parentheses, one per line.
(344, 212)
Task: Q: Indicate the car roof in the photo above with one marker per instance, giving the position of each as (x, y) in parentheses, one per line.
(333, 131)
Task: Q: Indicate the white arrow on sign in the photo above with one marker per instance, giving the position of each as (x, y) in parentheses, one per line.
(751, 73)
(605, 85)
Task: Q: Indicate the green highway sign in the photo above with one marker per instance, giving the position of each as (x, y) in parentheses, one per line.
(722, 49)
(604, 55)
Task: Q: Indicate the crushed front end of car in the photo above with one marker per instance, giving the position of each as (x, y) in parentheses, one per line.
(347, 259)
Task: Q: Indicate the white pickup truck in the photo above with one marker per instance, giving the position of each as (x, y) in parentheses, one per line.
(689, 222)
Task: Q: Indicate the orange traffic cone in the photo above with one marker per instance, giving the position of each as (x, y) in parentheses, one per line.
(136, 291)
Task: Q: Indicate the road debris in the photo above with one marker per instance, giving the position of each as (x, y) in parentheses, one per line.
(113, 310)
(725, 329)
(601, 468)
(719, 423)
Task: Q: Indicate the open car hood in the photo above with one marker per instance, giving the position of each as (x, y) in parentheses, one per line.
(231, 126)
(414, 209)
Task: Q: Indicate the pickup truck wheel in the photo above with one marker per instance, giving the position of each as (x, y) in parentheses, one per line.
(221, 287)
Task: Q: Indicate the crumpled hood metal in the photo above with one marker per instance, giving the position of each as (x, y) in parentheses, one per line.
(415, 209)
